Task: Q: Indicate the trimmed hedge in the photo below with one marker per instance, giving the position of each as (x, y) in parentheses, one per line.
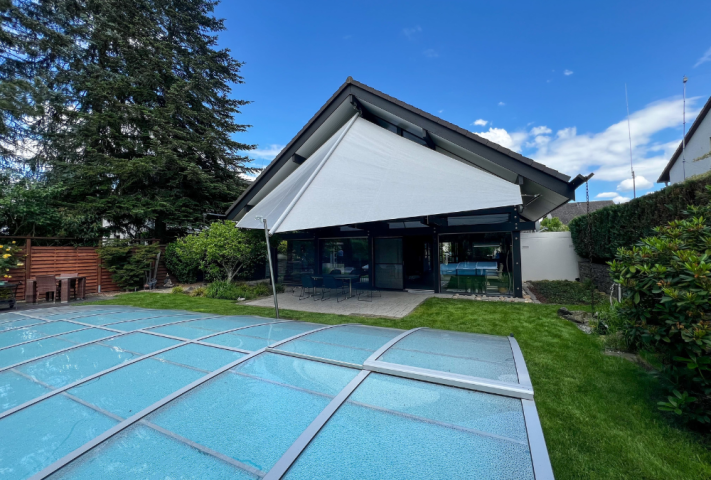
(625, 224)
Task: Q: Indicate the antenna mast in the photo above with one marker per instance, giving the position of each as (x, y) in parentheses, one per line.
(683, 138)
(629, 134)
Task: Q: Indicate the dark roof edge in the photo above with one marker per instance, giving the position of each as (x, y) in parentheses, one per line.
(664, 177)
(345, 87)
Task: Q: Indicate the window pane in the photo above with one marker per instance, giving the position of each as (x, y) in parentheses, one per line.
(345, 256)
(478, 263)
(295, 258)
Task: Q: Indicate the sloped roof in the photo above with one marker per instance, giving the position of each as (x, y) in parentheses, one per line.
(664, 177)
(539, 177)
(572, 210)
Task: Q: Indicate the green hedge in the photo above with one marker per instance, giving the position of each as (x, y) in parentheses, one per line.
(625, 224)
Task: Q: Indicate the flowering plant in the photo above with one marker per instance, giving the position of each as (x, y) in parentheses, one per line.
(10, 257)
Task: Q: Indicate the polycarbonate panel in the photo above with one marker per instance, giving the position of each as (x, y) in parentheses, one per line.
(152, 322)
(26, 322)
(10, 317)
(16, 390)
(128, 390)
(76, 314)
(28, 351)
(484, 356)
(37, 436)
(36, 332)
(68, 367)
(402, 429)
(201, 357)
(351, 343)
(254, 338)
(104, 318)
(142, 343)
(141, 452)
(254, 415)
(200, 328)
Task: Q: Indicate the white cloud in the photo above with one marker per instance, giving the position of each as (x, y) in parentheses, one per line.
(640, 183)
(621, 199)
(512, 141)
(268, 153)
(441, 111)
(542, 130)
(706, 57)
(607, 195)
(411, 33)
(480, 122)
(567, 72)
(430, 53)
(501, 104)
(607, 153)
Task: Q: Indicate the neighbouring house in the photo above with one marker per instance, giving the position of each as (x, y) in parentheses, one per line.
(571, 210)
(695, 159)
(374, 187)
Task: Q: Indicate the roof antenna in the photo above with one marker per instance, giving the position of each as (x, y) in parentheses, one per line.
(629, 134)
(683, 138)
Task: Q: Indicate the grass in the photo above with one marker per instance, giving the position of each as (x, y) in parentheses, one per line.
(564, 292)
(598, 412)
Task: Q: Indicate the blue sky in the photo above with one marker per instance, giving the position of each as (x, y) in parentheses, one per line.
(546, 79)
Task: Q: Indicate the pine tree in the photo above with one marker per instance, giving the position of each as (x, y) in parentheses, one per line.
(137, 121)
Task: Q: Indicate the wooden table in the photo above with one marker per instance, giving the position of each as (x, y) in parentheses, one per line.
(65, 282)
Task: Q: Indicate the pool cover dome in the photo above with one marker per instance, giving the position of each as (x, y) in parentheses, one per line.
(117, 392)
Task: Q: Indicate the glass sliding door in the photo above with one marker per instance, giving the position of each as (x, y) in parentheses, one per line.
(347, 256)
(476, 263)
(388, 263)
(295, 258)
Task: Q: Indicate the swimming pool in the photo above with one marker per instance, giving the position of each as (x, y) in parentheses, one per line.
(118, 392)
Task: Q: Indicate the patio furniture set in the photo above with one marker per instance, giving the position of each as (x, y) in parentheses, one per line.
(335, 283)
(57, 286)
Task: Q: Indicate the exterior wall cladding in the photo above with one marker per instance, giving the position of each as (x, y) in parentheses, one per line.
(698, 147)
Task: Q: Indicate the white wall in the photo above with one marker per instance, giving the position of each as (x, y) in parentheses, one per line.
(548, 256)
(698, 146)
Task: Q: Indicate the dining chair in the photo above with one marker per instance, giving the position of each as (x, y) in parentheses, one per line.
(333, 284)
(46, 284)
(308, 282)
(72, 283)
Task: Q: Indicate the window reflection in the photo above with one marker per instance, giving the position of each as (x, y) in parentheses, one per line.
(476, 263)
(345, 256)
(294, 258)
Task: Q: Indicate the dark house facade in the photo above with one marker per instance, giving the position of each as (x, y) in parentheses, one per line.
(374, 187)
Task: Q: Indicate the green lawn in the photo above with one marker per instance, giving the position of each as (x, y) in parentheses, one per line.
(598, 412)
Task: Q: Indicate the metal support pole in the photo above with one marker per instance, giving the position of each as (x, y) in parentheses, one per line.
(271, 269)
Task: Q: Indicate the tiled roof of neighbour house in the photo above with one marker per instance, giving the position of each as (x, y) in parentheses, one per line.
(664, 177)
(571, 210)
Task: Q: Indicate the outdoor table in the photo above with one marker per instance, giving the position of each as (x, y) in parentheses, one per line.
(342, 277)
(65, 282)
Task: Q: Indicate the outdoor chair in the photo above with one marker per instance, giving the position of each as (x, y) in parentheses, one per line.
(333, 285)
(72, 283)
(308, 282)
(46, 284)
(365, 289)
(335, 272)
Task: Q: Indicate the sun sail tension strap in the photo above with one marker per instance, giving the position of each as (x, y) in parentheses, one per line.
(365, 173)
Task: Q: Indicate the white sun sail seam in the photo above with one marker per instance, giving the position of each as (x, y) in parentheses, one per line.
(373, 174)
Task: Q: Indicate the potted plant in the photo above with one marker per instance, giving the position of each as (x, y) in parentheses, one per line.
(10, 256)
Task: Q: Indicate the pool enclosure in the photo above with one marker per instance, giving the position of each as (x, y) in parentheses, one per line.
(375, 187)
(116, 392)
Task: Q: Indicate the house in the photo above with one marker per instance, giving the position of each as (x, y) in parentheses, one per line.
(695, 159)
(376, 188)
(569, 211)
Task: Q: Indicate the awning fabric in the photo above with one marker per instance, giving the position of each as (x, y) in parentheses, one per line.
(365, 173)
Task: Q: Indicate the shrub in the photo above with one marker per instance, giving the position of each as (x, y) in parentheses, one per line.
(177, 290)
(222, 251)
(553, 225)
(180, 262)
(667, 280)
(625, 224)
(10, 255)
(198, 292)
(234, 291)
(128, 263)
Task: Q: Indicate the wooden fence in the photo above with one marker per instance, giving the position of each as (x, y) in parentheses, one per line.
(53, 260)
